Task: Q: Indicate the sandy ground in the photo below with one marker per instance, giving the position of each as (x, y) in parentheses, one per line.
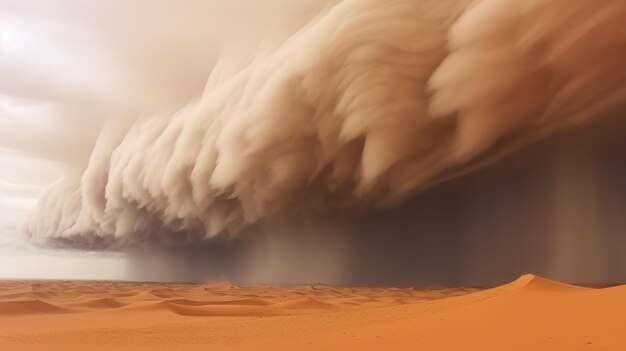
(530, 313)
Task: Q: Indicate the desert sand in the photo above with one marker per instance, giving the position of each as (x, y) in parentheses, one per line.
(530, 313)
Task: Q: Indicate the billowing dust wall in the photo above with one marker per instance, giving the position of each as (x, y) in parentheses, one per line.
(395, 124)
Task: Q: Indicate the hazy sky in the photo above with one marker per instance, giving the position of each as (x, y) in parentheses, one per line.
(66, 66)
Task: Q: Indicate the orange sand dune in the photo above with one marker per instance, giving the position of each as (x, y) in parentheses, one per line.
(530, 313)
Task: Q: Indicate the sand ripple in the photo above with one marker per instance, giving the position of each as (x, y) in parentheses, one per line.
(219, 299)
(530, 313)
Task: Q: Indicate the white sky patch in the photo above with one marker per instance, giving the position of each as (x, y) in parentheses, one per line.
(35, 264)
(7, 35)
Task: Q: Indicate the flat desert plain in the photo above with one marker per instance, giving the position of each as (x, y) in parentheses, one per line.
(530, 313)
